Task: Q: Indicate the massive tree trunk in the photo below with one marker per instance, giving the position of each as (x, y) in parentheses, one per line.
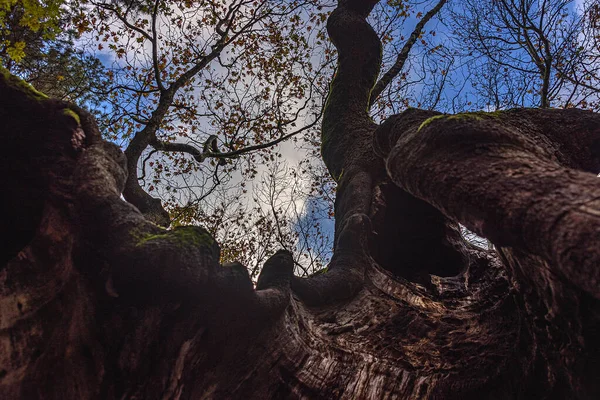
(97, 302)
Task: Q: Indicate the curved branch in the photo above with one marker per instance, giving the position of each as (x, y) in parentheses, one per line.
(248, 149)
(346, 150)
(346, 122)
(178, 147)
(148, 205)
(520, 178)
(209, 152)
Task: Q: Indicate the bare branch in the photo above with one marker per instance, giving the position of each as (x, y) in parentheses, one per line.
(395, 69)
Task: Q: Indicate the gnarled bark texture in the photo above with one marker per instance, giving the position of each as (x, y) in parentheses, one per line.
(98, 303)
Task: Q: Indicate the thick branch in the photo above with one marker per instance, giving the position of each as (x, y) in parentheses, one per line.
(182, 263)
(346, 122)
(346, 150)
(516, 178)
(29, 164)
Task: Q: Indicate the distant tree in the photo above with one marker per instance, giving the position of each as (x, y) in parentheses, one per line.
(528, 52)
(584, 71)
(24, 23)
(37, 44)
(64, 73)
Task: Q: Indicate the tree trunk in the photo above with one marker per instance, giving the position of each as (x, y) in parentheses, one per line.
(97, 302)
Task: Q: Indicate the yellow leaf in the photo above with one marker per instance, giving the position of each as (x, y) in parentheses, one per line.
(16, 51)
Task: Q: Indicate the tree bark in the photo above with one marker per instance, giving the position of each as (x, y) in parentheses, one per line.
(98, 302)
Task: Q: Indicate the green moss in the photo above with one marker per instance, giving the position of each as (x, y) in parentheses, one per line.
(430, 120)
(184, 235)
(21, 85)
(72, 114)
(320, 272)
(475, 115)
(465, 116)
(193, 235)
